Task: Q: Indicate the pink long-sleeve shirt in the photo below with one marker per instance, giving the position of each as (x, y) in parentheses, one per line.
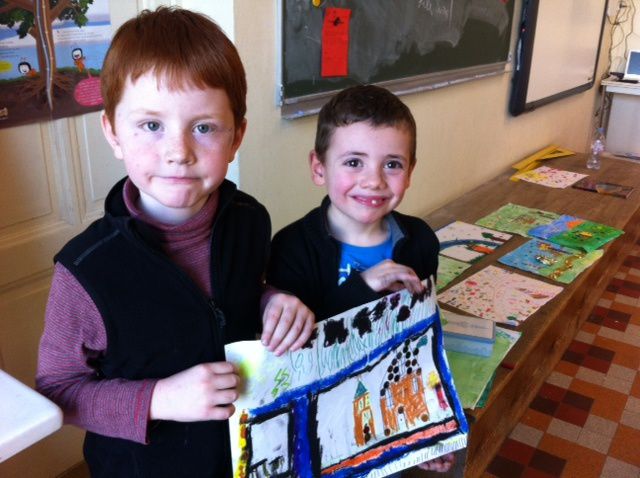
(74, 334)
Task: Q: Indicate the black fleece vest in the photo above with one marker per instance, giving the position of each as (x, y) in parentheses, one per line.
(159, 323)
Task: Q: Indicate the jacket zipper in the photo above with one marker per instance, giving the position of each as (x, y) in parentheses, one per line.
(219, 319)
(217, 313)
(220, 322)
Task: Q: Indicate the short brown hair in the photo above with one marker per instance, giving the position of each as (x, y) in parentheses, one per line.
(369, 103)
(183, 46)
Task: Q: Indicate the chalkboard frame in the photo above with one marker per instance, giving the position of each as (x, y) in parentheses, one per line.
(292, 107)
(518, 103)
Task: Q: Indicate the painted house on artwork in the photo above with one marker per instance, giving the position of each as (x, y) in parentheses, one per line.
(402, 398)
(364, 429)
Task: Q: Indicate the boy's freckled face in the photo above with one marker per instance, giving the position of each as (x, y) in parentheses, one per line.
(176, 143)
(366, 172)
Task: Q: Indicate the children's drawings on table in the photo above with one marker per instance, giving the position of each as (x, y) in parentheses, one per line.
(517, 219)
(551, 177)
(370, 394)
(556, 262)
(468, 242)
(499, 295)
(560, 225)
(473, 373)
(449, 269)
(588, 236)
(576, 233)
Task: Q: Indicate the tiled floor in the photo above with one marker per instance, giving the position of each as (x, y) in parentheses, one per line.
(585, 420)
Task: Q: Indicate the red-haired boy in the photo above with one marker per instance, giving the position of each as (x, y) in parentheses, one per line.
(143, 301)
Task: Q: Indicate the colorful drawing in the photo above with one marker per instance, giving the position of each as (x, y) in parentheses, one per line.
(560, 225)
(562, 264)
(551, 177)
(472, 373)
(577, 233)
(499, 295)
(369, 395)
(51, 55)
(449, 269)
(517, 219)
(468, 242)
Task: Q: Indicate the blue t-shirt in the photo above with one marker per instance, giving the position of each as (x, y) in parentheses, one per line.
(358, 258)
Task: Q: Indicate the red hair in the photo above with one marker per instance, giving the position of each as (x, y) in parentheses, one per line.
(182, 47)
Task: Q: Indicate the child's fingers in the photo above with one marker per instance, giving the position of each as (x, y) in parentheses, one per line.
(406, 276)
(403, 278)
(413, 283)
(270, 319)
(285, 331)
(219, 368)
(410, 281)
(391, 276)
(393, 287)
(441, 464)
(221, 412)
(286, 318)
(298, 332)
(305, 334)
(448, 460)
(222, 398)
(202, 392)
(224, 382)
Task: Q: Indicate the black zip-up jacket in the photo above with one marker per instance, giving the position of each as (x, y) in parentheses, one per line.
(305, 259)
(159, 322)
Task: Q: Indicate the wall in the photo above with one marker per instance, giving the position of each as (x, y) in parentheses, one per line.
(465, 134)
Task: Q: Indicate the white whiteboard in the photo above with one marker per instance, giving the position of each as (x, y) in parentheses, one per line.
(557, 51)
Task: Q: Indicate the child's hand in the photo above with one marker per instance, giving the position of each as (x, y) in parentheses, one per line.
(391, 276)
(203, 392)
(286, 323)
(441, 464)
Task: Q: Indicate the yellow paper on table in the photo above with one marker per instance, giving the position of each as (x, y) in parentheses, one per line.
(533, 161)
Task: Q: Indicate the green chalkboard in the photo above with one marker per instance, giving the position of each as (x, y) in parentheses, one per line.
(394, 42)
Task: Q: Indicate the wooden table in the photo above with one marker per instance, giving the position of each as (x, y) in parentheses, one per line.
(546, 334)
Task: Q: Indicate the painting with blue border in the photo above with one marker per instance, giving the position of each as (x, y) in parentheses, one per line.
(369, 394)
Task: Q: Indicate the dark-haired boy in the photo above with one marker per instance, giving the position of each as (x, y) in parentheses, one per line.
(356, 247)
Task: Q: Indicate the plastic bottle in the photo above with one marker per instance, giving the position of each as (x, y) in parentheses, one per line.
(597, 147)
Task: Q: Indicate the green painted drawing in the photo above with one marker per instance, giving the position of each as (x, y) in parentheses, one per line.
(517, 219)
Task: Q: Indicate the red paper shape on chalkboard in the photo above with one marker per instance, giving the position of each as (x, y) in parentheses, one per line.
(335, 42)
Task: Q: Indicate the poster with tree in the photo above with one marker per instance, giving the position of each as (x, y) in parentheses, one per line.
(51, 54)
